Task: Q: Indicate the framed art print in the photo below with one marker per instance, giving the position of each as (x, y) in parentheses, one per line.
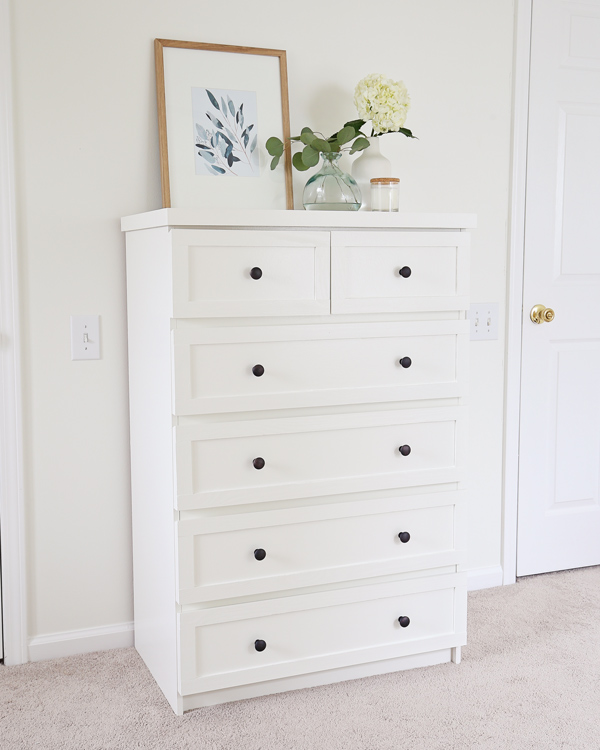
(217, 106)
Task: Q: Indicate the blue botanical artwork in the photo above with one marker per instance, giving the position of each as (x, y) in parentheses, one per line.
(225, 132)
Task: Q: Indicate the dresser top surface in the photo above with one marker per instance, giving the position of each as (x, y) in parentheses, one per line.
(341, 220)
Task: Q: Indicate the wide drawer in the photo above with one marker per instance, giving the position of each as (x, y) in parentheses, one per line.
(236, 273)
(271, 367)
(253, 553)
(219, 646)
(232, 463)
(399, 271)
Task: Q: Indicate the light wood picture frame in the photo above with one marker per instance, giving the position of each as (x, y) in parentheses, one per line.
(217, 106)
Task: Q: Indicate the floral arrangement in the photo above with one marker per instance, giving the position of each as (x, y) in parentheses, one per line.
(383, 102)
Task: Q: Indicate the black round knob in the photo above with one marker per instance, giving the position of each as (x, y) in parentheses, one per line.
(406, 362)
(261, 645)
(404, 537)
(258, 371)
(259, 463)
(256, 273)
(405, 272)
(259, 554)
(405, 450)
(404, 623)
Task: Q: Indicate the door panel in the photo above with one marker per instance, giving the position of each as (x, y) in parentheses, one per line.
(559, 473)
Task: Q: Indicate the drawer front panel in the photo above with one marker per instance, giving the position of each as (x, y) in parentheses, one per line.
(342, 627)
(399, 271)
(243, 561)
(212, 273)
(231, 463)
(215, 369)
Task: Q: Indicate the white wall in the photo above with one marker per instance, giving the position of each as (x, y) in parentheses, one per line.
(87, 154)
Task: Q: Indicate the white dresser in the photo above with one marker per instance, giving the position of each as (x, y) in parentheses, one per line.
(297, 387)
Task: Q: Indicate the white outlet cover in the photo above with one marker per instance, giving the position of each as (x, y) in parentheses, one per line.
(484, 321)
(85, 337)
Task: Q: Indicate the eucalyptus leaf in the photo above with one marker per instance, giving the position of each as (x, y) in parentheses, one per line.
(275, 161)
(346, 134)
(307, 137)
(253, 144)
(298, 163)
(305, 130)
(231, 107)
(223, 107)
(201, 132)
(356, 124)
(274, 146)
(213, 101)
(220, 170)
(207, 156)
(319, 144)
(360, 144)
(310, 157)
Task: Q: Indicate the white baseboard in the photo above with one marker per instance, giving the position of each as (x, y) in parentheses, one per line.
(484, 578)
(73, 642)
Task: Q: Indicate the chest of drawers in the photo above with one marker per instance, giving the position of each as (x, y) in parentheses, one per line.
(297, 415)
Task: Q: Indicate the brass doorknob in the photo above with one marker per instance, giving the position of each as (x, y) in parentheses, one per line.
(541, 314)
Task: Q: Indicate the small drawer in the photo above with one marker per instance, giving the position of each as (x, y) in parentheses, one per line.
(252, 553)
(233, 463)
(399, 271)
(274, 367)
(241, 273)
(246, 643)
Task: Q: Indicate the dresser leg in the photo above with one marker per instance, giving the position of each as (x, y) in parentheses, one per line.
(455, 655)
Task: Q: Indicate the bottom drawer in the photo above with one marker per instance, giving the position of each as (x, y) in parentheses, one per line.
(240, 644)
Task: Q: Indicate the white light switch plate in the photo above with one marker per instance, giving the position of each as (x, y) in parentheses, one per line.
(484, 321)
(85, 337)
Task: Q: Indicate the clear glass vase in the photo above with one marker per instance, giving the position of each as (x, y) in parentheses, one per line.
(330, 189)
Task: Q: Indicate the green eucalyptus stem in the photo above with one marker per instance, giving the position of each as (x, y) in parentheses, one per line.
(349, 138)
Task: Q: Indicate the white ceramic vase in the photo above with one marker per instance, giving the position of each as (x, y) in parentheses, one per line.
(371, 163)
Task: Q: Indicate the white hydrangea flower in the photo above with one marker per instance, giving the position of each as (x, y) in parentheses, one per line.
(383, 101)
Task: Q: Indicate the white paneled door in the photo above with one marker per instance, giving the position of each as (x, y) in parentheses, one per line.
(559, 476)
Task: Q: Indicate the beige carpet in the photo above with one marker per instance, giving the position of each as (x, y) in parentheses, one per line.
(530, 678)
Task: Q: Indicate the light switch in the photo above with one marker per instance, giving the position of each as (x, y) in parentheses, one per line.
(85, 337)
(484, 321)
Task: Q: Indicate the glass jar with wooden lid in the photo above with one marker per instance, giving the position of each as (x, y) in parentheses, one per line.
(385, 194)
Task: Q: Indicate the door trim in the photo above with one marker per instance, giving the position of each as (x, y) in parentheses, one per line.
(12, 529)
(514, 319)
